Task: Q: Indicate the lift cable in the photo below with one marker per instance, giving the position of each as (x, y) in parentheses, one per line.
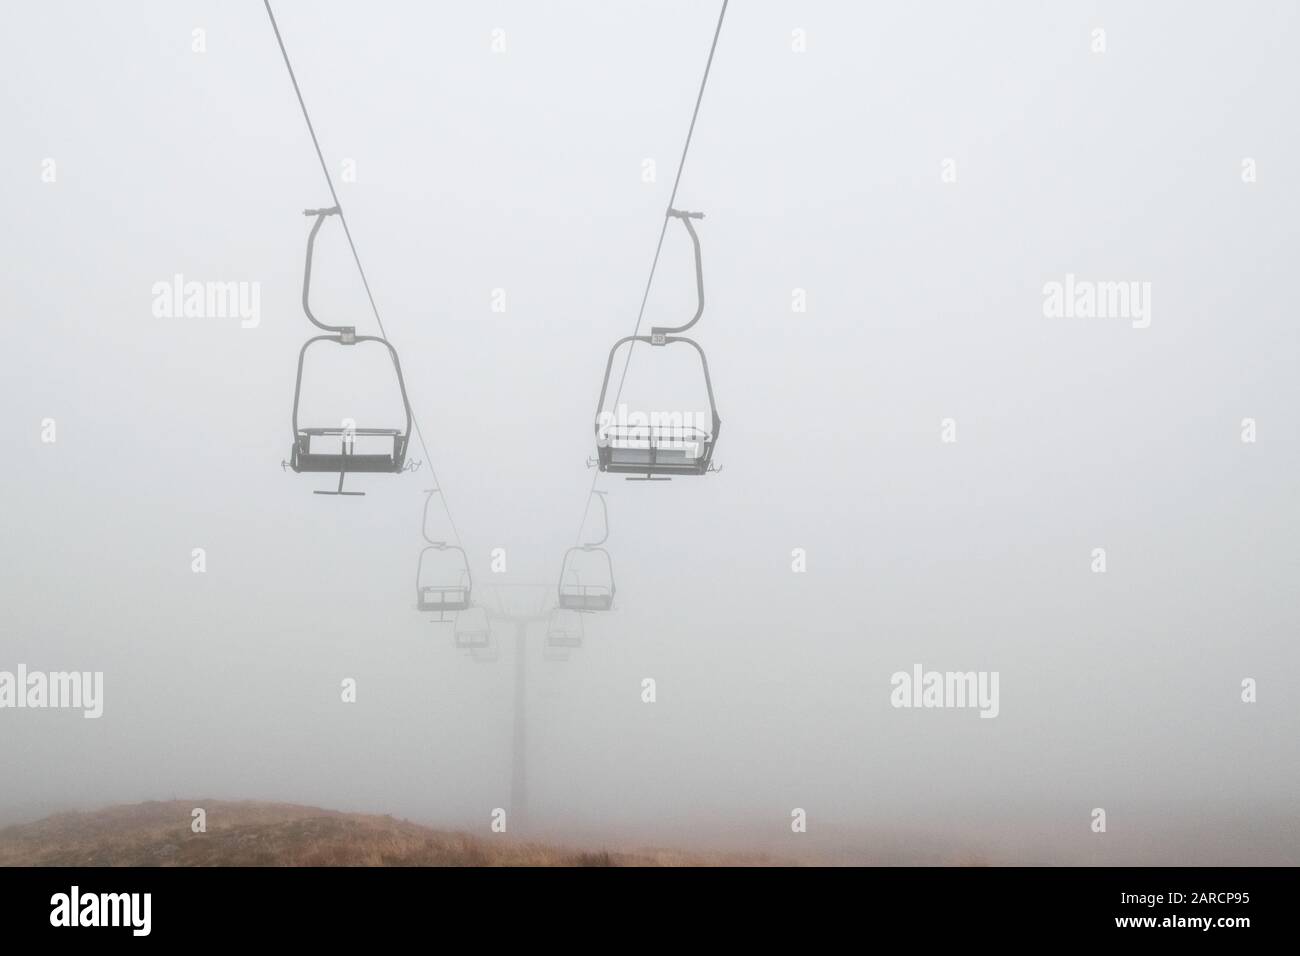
(663, 231)
(329, 181)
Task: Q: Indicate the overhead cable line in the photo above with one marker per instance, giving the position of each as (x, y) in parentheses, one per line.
(663, 231)
(347, 231)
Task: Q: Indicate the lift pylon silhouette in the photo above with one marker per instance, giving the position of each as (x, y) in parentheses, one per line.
(522, 606)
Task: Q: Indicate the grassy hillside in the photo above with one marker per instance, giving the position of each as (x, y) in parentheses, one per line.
(278, 834)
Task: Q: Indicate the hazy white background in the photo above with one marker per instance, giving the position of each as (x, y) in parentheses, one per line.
(818, 170)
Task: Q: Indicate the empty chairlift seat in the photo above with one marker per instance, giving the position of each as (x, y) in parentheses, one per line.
(576, 596)
(473, 630)
(450, 589)
(587, 572)
(657, 450)
(443, 583)
(339, 449)
(343, 450)
(564, 629)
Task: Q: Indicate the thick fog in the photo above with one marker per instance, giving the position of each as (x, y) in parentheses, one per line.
(888, 190)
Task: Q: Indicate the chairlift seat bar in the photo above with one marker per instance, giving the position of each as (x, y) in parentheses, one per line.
(656, 461)
(330, 432)
(346, 464)
(473, 639)
(344, 460)
(655, 436)
(586, 602)
(443, 599)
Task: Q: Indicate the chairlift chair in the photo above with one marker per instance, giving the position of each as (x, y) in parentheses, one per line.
(344, 449)
(472, 630)
(572, 594)
(564, 629)
(658, 452)
(442, 598)
(451, 592)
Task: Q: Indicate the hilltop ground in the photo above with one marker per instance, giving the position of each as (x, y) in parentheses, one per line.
(281, 834)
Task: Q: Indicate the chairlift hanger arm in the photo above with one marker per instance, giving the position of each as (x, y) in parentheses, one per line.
(609, 369)
(604, 511)
(658, 332)
(419, 565)
(708, 380)
(609, 564)
(564, 568)
(320, 214)
(443, 546)
(297, 389)
(424, 521)
(397, 367)
(666, 340)
(344, 339)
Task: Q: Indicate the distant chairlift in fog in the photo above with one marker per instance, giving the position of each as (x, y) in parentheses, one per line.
(593, 594)
(656, 451)
(443, 584)
(564, 632)
(344, 449)
(564, 629)
(473, 630)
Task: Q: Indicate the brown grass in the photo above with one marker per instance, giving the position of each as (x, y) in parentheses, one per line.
(280, 834)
